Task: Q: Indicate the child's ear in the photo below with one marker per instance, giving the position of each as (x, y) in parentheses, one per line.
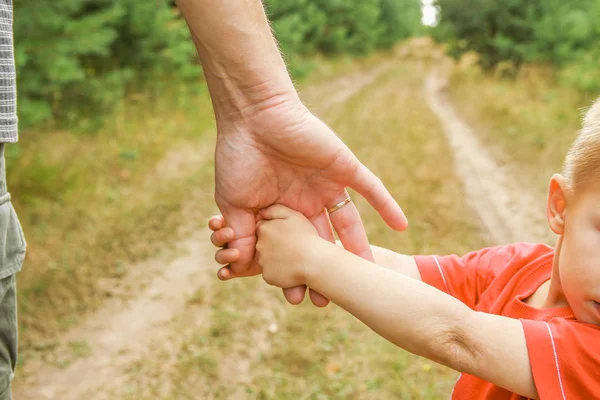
(557, 203)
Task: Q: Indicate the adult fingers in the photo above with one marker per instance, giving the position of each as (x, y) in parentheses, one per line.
(295, 295)
(222, 236)
(350, 229)
(216, 222)
(227, 256)
(373, 189)
(225, 273)
(317, 298)
(242, 223)
(323, 225)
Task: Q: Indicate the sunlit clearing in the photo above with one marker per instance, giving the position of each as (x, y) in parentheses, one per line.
(429, 13)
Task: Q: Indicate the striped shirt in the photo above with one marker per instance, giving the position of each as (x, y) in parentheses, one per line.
(8, 85)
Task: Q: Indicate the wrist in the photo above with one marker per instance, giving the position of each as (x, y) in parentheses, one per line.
(240, 101)
(242, 63)
(316, 262)
(264, 117)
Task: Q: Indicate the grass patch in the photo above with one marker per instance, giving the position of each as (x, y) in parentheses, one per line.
(529, 121)
(92, 204)
(198, 297)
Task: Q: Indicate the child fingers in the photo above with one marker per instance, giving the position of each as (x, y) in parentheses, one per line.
(216, 222)
(222, 236)
(277, 211)
(227, 256)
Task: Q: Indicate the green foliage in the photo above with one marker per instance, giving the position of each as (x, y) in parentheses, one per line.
(76, 58)
(583, 73)
(400, 19)
(304, 27)
(518, 31)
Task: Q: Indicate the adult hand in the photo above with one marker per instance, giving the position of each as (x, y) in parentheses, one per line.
(282, 154)
(270, 148)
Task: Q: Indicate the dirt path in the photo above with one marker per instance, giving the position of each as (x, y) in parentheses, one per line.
(123, 329)
(324, 97)
(507, 211)
(128, 328)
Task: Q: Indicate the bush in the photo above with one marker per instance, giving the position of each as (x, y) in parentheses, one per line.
(304, 27)
(561, 33)
(76, 58)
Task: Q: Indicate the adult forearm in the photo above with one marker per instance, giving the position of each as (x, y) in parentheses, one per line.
(242, 64)
(407, 312)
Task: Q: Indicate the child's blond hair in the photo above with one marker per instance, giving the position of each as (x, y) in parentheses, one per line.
(582, 165)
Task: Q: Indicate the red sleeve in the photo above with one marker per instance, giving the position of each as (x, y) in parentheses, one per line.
(565, 358)
(467, 277)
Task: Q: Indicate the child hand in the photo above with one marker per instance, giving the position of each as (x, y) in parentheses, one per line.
(286, 241)
(221, 237)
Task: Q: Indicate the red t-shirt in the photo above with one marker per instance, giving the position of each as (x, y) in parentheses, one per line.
(564, 353)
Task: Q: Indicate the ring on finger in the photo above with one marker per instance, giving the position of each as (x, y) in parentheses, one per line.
(339, 205)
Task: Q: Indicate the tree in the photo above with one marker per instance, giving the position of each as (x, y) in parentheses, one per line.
(75, 58)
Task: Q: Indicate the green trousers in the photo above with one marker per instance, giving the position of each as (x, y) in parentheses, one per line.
(12, 253)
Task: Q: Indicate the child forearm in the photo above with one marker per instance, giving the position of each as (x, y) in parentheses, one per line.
(405, 311)
(396, 262)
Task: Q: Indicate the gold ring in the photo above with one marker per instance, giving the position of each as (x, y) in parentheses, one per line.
(339, 205)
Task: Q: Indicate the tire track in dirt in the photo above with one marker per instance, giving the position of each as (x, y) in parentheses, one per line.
(144, 301)
(330, 94)
(506, 209)
(122, 330)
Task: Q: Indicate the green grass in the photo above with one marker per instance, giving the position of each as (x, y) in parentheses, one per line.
(92, 204)
(530, 121)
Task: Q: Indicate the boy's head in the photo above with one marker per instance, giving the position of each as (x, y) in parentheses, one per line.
(574, 213)
(582, 165)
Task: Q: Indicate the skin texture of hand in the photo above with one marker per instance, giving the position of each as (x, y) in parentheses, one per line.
(292, 158)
